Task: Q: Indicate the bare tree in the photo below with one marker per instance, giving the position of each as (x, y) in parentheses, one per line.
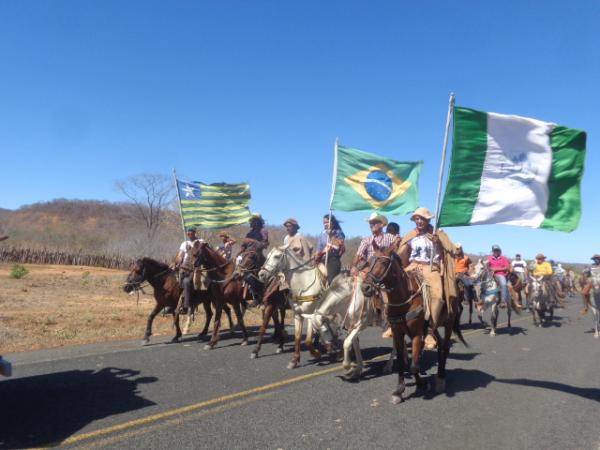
(152, 196)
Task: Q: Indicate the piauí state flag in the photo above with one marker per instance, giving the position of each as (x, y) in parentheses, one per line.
(513, 170)
(213, 206)
(364, 181)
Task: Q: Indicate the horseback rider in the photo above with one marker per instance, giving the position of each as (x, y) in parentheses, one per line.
(500, 265)
(462, 265)
(544, 273)
(518, 266)
(430, 257)
(394, 229)
(184, 261)
(226, 246)
(301, 246)
(258, 238)
(365, 249)
(586, 282)
(331, 246)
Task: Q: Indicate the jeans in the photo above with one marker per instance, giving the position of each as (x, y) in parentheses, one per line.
(503, 285)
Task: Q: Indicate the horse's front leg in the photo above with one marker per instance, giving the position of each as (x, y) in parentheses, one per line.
(494, 318)
(267, 313)
(177, 327)
(443, 352)
(398, 346)
(348, 347)
(240, 318)
(297, 339)
(309, 341)
(417, 351)
(389, 365)
(151, 317)
(508, 312)
(208, 314)
(227, 310)
(217, 323)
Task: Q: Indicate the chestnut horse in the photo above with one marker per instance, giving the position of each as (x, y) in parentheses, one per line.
(167, 292)
(225, 287)
(403, 301)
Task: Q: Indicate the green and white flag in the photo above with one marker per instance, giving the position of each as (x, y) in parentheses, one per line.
(513, 170)
(364, 182)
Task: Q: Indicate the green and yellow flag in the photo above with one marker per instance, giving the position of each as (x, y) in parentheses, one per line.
(364, 181)
(213, 206)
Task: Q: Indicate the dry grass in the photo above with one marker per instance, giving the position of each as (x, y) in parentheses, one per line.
(53, 306)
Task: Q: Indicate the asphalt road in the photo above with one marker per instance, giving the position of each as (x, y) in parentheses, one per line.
(529, 388)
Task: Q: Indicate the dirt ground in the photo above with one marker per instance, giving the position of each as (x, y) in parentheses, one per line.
(53, 306)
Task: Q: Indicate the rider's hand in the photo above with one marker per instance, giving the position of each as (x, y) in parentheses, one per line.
(353, 271)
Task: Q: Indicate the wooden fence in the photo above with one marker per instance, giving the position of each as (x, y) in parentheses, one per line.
(30, 256)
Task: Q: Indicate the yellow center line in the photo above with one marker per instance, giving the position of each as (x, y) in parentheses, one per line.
(222, 399)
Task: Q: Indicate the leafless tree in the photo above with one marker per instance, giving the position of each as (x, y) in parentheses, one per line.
(152, 196)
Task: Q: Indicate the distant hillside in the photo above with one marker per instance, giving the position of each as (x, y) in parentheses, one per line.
(100, 227)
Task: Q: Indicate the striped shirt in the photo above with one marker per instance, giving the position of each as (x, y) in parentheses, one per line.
(365, 249)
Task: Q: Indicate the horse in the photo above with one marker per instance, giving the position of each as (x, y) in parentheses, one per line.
(225, 286)
(167, 293)
(489, 293)
(328, 321)
(516, 289)
(595, 301)
(540, 301)
(306, 286)
(404, 304)
(461, 293)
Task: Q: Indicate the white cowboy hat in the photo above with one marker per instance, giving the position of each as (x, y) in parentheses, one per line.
(375, 216)
(422, 212)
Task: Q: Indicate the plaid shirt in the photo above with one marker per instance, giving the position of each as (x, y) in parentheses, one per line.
(365, 249)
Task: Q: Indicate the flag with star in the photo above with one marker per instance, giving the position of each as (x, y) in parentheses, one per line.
(364, 181)
(213, 206)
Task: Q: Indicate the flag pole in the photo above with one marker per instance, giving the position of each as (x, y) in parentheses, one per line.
(179, 201)
(335, 156)
(443, 162)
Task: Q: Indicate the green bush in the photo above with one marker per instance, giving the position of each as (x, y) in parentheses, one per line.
(18, 271)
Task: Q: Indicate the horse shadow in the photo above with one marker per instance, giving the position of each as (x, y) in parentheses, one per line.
(44, 410)
(512, 331)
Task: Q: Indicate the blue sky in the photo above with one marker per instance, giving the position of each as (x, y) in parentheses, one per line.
(94, 91)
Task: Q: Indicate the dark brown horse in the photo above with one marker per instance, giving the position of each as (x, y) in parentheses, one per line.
(404, 306)
(225, 287)
(275, 303)
(167, 293)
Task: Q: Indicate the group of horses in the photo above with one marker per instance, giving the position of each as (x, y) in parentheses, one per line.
(383, 293)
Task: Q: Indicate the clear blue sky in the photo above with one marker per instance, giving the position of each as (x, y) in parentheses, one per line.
(94, 91)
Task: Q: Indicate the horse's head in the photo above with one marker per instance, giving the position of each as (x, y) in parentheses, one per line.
(136, 276)
(248, 260)
(384, 270)
(206, 256)
(274, 263)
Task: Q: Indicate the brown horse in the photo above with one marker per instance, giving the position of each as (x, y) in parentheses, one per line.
(275, 303)
(405, 311)
(225, 287)
(167, 293)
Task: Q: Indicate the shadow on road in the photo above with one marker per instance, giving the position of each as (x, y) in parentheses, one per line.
(46, 409)
(588, 393)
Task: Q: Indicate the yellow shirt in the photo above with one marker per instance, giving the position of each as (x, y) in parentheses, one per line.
(542, 269)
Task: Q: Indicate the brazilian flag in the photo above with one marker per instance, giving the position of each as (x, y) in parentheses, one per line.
(364, 181)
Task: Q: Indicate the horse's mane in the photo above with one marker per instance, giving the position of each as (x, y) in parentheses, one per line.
(217, 258)
(152, 262)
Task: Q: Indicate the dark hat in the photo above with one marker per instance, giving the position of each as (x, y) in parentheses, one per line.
(291, 221)
(496, 247)
(191, 230)
(596, 256)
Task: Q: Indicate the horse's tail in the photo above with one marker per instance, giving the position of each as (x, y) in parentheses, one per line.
(457, 331)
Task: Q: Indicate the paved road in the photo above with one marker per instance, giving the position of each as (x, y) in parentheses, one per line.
(529, 388)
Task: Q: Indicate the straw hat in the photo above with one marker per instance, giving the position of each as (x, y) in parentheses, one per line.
(540, 256)
(376, 217)
(291, 221)
(422, 212)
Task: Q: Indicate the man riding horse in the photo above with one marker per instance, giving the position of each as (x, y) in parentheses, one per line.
(430, 257)
(586, 282)
(257, 239)
(185, 262)
(544, 273)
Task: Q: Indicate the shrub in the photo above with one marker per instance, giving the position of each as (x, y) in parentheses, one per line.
(18, 271)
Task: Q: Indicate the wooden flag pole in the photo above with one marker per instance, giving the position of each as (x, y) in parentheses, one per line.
(179, 201)
(443, 162)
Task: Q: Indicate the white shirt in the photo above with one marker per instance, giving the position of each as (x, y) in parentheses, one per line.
(185, 254)
(421, 250)
(518, 265)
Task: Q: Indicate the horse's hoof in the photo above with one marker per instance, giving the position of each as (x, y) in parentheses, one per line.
(596, 335)
(396, 399)
(145, 341)
(315, 354)
(279, 350)
(253, 355)
(493, 333)
(208, 347)
(244, 343)
(175, 340)
(292, 365)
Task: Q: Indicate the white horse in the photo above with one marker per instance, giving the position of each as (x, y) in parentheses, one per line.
(341, 300)
(489, 294)
(306, 286)
(541, 302)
